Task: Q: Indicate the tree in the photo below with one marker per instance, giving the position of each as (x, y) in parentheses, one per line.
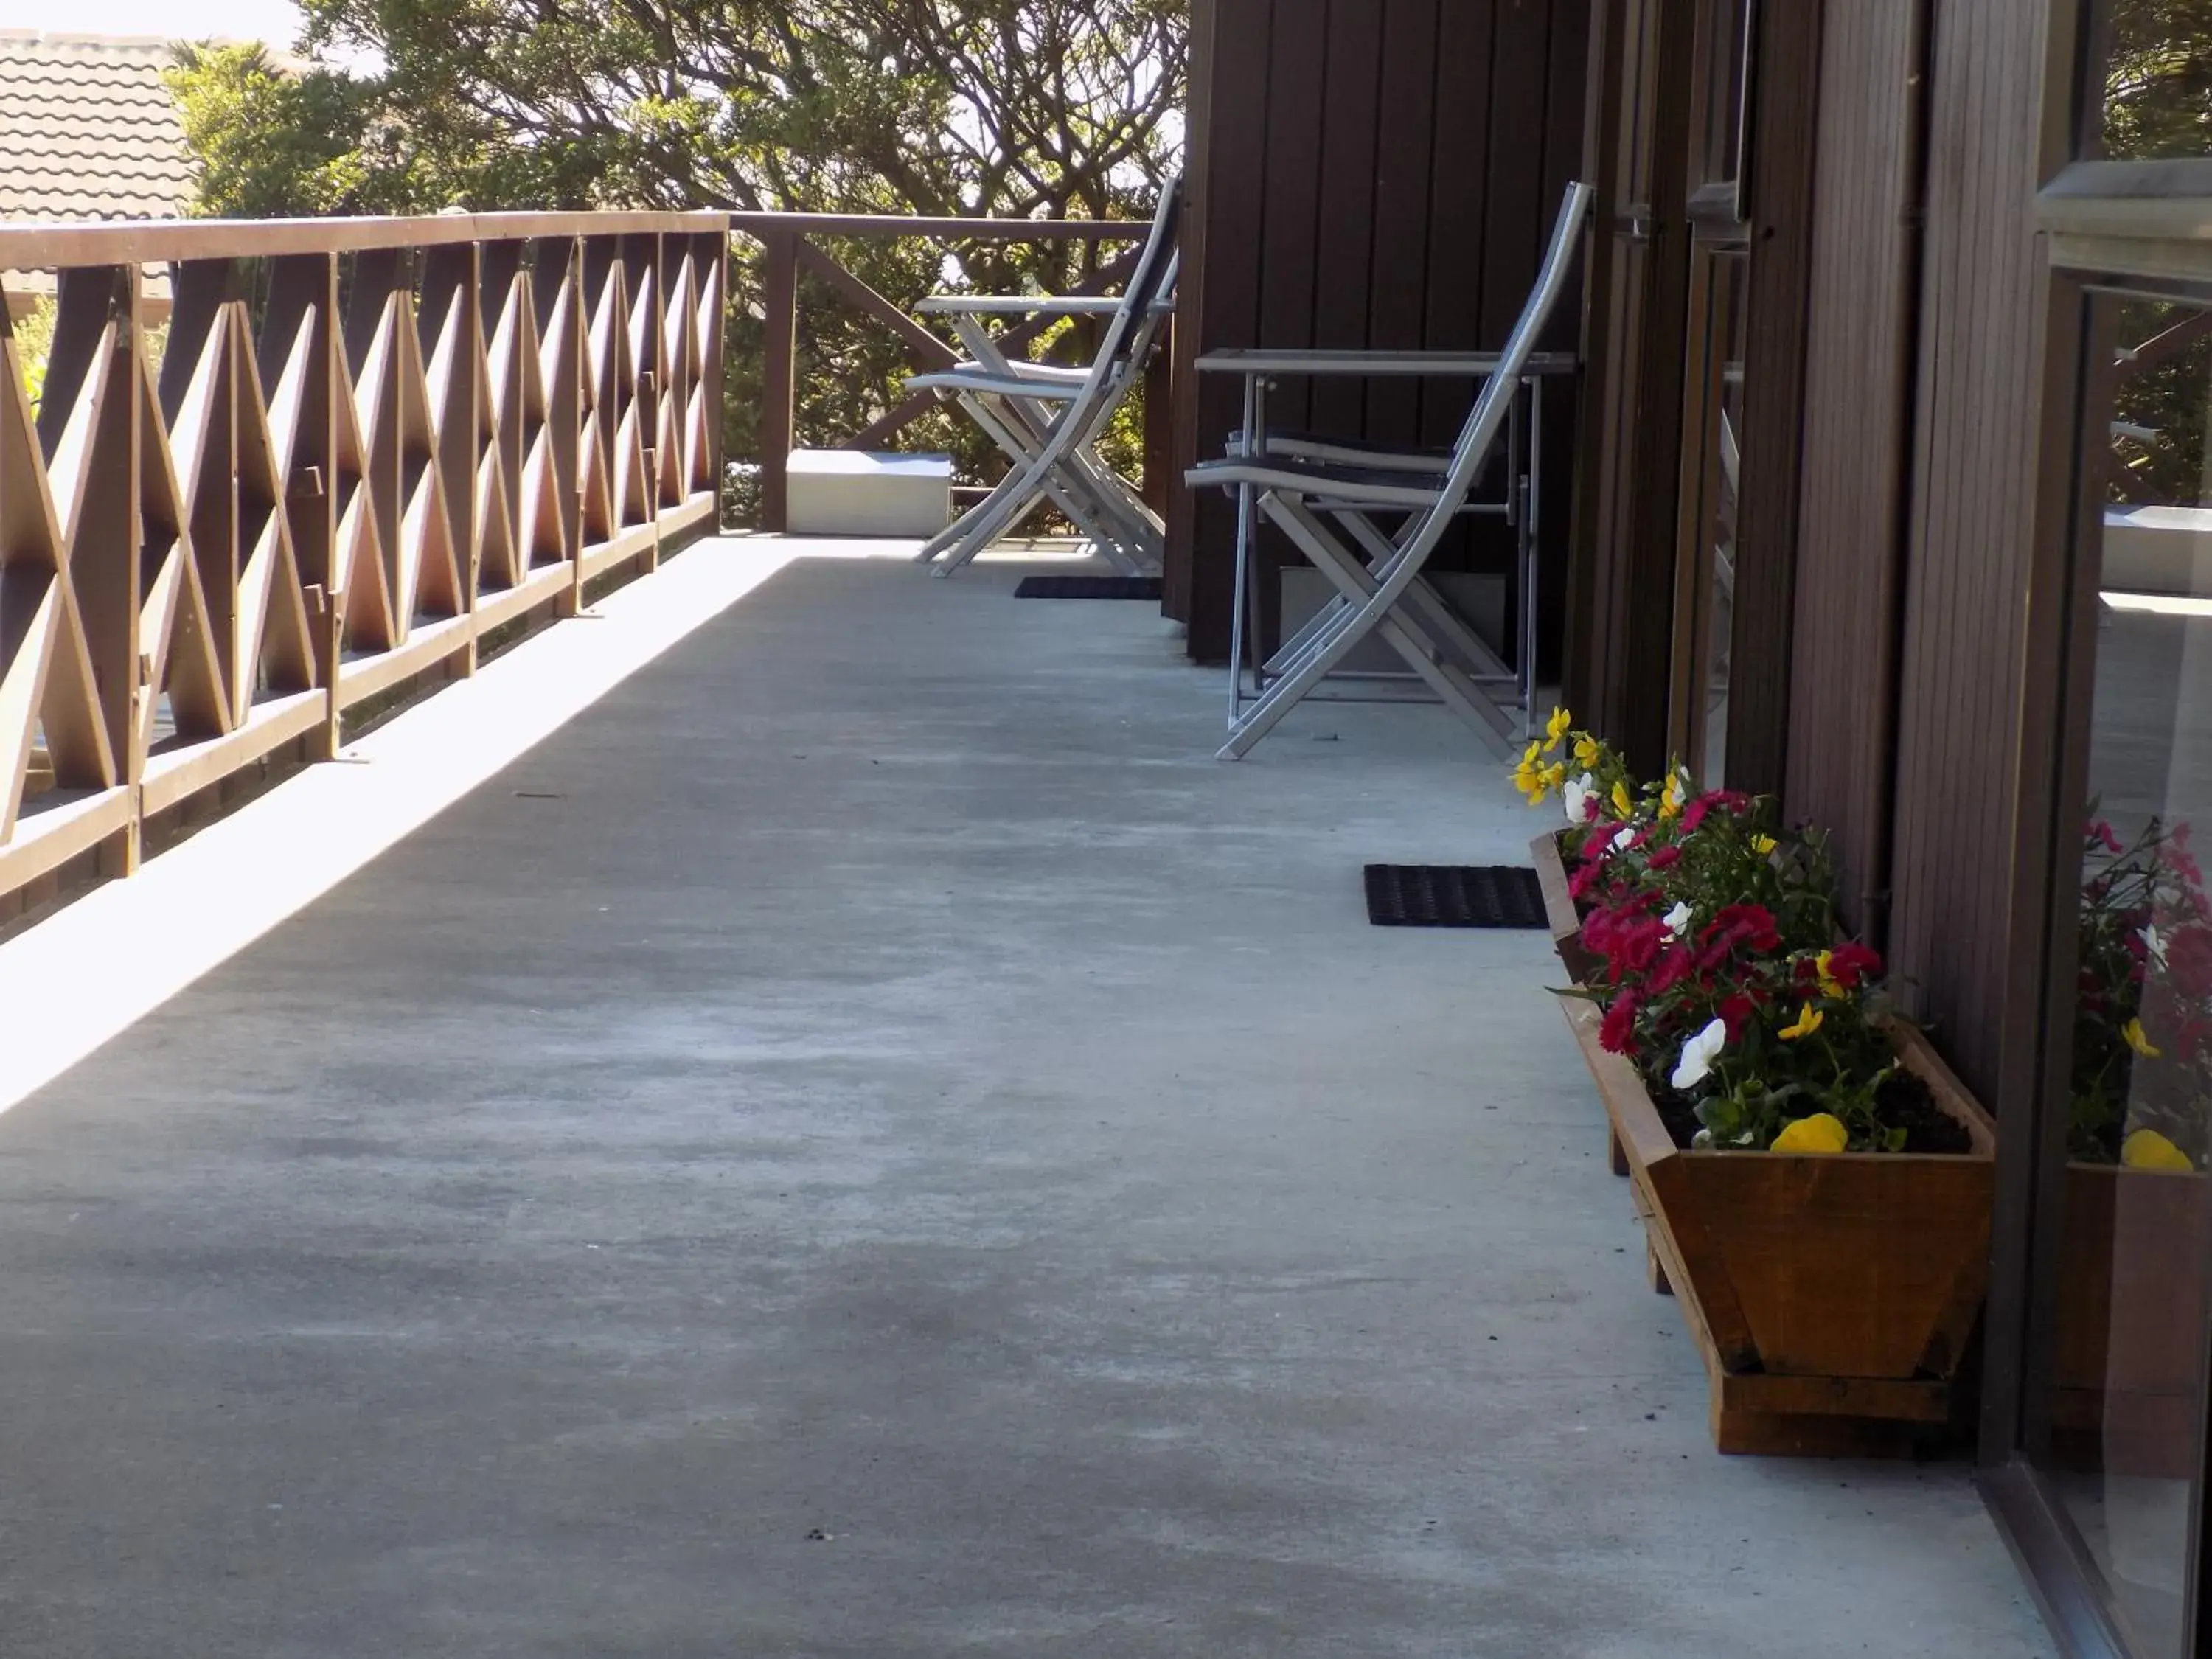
(2157, 84)
(273, 144)
(1021, 108)
(941, 106)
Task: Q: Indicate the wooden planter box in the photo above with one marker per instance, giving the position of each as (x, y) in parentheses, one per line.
(1831, 1297)
(1566, 922)
(2129, 1329)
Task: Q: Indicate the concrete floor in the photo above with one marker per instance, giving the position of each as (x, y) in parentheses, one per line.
(869, 1143)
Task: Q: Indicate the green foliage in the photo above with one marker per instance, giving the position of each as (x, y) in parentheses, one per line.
(1021, 108)
(35, 339)
(2158, 79)
(272, 145)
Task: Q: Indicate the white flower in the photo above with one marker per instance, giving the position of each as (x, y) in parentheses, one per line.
(1626, 836)
(1678, 919)
(1575, 796)
(1699, 1055)
(2154, 942)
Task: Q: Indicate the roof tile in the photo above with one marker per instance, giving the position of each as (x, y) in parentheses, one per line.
(87, 130)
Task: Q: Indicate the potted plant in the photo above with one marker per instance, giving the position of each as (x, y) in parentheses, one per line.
(1817, 1184)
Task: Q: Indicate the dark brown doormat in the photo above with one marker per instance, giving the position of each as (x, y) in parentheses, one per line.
(1089, 587)
(1453, 895)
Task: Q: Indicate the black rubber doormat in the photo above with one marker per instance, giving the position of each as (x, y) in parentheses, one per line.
(1453, 895)
(1090, 587)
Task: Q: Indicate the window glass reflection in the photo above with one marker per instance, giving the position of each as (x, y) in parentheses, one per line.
(2150, 79)
(2125, 1365)
(1721, 467)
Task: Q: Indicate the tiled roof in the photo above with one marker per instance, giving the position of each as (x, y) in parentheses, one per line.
(87, 130)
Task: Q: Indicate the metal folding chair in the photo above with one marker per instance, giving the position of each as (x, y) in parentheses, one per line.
(1047, 418)
(1301, 484)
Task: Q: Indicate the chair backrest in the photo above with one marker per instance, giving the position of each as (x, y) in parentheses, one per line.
(1471, 453)
(1129, 336)
(1135, 320)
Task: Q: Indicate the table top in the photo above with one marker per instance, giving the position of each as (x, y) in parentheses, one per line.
(1262, 360)
(1019, 305)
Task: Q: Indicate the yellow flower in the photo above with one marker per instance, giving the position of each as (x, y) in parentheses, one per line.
(1556, 728)
(1621, 802)
(1586, 751)
(1762, 845)
(1677, 792)
(2146, 1149)
(2133, 1031)
(1553, 776)
(1809, 1020)
(1529, 776)
(1829, 986)
(1819, 1133)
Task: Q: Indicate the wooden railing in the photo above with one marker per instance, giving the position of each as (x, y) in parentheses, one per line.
(789, 248)
(366, 445)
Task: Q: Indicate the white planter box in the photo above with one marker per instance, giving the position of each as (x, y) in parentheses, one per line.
(848, 492)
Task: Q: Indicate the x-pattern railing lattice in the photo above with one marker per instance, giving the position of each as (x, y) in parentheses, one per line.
(366, 444)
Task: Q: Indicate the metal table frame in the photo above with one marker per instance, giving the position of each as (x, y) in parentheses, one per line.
(1261, 367)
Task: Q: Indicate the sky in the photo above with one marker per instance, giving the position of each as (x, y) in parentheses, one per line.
(276, 22)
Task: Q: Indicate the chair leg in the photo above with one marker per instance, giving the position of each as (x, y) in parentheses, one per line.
(1378, 612)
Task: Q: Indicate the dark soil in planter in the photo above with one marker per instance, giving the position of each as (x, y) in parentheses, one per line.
(1904, 1100)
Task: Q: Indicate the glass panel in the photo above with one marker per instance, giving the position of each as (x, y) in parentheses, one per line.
(2123, 1371)
(1640, 89)
(1720, 469)
(2150, 79)
(1729, 27)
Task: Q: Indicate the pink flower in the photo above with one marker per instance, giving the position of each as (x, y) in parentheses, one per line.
(1665, 857)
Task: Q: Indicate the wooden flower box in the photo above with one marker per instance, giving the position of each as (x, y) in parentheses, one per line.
(1566, 922)
(1833, 1296)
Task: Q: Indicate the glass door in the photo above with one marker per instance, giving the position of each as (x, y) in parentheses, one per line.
(1713, 386)
(2116, 1402)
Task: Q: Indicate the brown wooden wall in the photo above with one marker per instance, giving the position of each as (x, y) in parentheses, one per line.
(1921, 422)
(1973, 530)
(1852, 523)
(1364, 174)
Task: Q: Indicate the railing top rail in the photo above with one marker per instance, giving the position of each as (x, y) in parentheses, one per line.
(35, 244)
(904, 224)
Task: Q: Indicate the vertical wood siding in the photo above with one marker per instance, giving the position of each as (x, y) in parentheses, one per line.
(1972, 523)
(1858, 388)
(1370, 174)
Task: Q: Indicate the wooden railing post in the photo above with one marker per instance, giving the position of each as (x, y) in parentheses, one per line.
(779, 379)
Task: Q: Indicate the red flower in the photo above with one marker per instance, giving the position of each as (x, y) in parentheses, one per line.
(1665, 857)
(1849, 963)
(1619, 1030)
(2101, 833)
(1677, 964)
(2189, 961)
(1738, 924)
(1634, 945)
(1728, 800)
(1736, 1014)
